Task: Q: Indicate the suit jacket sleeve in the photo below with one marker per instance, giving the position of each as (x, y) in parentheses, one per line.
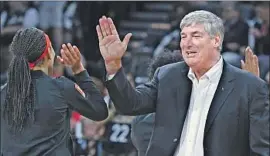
(92, 105)
(259, 121)
(131, 101)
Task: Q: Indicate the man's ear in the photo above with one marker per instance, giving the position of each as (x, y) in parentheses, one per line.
(217, 41)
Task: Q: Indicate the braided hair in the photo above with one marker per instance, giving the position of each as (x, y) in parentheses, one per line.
(27, 45)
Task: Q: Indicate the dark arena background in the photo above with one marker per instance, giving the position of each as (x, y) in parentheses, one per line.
(155, 29)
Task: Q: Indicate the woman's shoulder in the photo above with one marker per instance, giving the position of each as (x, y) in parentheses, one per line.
(63, 82)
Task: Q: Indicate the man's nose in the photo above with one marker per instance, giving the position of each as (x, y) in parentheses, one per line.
(188, 42)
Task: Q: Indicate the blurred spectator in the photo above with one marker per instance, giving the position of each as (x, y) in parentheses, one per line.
(267, 78)
(17, 15)
(116, 138)
(14, 16)
(261, 30)
(51, 21)
(88, 132)
(262, 37)
(70, 21)
(166, 41)
(236, 34)
(213, 6)
(171, 39)
(236, 30)
(5, 58)
(2, 6)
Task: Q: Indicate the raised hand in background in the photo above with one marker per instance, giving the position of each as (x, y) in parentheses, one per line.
(251, 63)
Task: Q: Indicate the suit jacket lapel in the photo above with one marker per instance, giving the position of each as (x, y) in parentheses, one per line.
(224, 88)
(184, 91)
(182, 94)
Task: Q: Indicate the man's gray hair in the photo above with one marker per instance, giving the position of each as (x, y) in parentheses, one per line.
(213, 25)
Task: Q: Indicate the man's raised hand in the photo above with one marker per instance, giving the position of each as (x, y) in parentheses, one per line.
(111, 47)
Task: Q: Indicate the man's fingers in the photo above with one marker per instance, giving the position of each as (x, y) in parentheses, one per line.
(100, 36)
(112, 27)
(107, 26)
(126, 39)
(102, 26)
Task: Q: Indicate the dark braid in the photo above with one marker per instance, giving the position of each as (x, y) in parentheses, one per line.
(27, 45)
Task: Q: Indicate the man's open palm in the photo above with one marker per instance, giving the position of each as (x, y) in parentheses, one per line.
(110, 45)
(251, 63)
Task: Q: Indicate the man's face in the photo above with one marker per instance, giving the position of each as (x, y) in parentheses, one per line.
(198, 48)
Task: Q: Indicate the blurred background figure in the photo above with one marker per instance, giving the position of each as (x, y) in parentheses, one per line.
(17, 15)
(236, 33)
(51, 21)
(14, 16)
(261, 34)
(155, 29)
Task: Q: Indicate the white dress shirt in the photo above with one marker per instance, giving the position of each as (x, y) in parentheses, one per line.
(191, 141)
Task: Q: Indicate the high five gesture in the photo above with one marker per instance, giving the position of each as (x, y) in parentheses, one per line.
(111, 47)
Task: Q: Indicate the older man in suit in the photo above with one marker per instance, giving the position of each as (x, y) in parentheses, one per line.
(142, 125)
(204, 106)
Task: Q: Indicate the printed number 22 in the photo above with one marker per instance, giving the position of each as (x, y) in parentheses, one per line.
(119, 133)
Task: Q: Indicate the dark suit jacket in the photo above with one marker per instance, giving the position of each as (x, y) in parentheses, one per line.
(237, 122)
(49, 135)
(141, 131)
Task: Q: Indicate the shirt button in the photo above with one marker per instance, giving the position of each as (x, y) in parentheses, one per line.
(175, 139)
